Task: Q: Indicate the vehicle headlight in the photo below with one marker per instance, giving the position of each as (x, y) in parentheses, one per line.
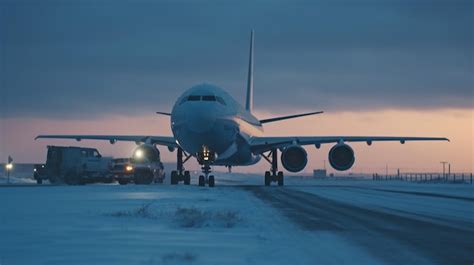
(139, 154)
(128, 168)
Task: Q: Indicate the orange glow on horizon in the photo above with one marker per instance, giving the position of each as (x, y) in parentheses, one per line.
(17, 137)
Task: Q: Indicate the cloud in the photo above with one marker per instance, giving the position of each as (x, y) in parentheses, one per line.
(82, 59)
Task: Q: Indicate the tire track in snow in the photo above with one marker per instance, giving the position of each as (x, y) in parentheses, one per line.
(394, 238)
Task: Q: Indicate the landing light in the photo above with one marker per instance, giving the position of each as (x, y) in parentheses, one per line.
(9, 166)
(205, 153)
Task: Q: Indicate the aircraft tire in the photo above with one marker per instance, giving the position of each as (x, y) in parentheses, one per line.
(211, 181)
(174, 177)
(267, 178)
(280, 178)
(202, 182)
(187, 178)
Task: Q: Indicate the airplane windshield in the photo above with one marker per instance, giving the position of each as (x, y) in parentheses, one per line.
(203, 98)
(220, 100)
(208, 98)
(194, 98)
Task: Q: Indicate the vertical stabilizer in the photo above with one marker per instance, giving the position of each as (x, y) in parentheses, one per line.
(249, 101)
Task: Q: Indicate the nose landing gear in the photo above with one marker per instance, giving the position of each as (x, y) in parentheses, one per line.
(206, 178)
(206, 158)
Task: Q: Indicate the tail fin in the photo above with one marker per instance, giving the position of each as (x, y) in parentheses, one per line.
(249, 101)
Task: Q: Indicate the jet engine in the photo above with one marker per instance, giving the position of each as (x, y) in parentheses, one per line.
(146, 153)
(294, 158)
(341, 157)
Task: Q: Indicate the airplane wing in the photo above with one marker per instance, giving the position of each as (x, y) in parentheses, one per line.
(263, 144)
(160, 140)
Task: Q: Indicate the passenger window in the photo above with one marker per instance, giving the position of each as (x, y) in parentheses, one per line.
(220, 100)
(96, 154)
(194, 98)
(83, 153)
(208, 98)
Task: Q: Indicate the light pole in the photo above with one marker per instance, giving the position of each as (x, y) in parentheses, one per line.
(444, 168)
(9, 168)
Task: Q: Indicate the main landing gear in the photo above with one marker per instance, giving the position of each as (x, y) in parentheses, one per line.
(180, 174)
(273, 175)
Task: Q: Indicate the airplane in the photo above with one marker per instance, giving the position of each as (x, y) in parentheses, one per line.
(211, 126)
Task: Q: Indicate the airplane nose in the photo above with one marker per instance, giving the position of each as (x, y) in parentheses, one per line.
(201, 120)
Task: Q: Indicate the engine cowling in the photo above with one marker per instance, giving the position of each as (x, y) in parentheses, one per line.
(294, 158)
(341, 157)
(146, 153)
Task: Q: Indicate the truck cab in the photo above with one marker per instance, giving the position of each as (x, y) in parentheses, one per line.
(144, 167)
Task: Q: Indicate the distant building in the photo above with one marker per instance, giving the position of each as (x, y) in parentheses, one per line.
(319, 173)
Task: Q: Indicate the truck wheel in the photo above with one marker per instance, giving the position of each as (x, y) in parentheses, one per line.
(123, 181)
(108, 180)
(159, 180)
(73, 180)
(137, 180)
(148, 179)
(54, 180)
(144, 178)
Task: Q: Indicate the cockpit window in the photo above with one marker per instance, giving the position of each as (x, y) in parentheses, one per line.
(220, 100)
(208, 98)
(203, 98)
(194, 98)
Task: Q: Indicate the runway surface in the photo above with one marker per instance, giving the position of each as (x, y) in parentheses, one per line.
(385, 235)
(238, 222)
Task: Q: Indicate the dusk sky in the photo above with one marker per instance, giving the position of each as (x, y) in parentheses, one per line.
(381, 67)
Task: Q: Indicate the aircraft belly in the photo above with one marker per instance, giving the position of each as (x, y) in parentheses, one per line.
(242, 156)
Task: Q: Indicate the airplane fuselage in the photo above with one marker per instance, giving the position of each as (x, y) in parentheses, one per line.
(205, 116)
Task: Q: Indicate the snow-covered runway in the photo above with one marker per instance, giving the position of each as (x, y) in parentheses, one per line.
(392, 236)
(306, 222)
